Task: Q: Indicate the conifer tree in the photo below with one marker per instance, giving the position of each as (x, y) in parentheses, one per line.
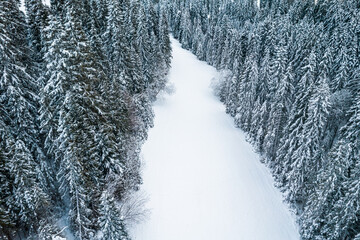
(316, 220)
(164, 38)
(186, 30)
(344, 217)
(7, 222)
(281, 86)
(232, 90)
(110, 222)
(246, 92)
(36, 14)
(27, 200)
(18, 98)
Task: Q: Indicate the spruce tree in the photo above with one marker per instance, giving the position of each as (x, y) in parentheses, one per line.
(281, 86)
(346, 210)
(110, 222)
(36, 14)
(27, 201)
(19, 101)
(7, 222)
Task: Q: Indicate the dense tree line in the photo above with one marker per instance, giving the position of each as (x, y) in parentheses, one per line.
(291, 74)
(77, 79)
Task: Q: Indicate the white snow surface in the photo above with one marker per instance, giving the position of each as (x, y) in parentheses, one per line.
(204, 181)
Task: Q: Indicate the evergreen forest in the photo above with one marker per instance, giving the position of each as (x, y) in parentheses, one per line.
(291, 81)
(77, 80)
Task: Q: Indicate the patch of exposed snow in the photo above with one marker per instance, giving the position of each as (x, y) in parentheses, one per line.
(58, 238)
(203, 179)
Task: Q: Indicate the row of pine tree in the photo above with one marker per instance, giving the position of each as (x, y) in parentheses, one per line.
(77, 79)
(291, 80)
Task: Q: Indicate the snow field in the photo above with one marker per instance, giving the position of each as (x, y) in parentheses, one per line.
(203, 179)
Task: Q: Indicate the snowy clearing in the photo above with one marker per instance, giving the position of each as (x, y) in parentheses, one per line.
(203, 179)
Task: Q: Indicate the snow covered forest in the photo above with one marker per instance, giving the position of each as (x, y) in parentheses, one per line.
(290, 79)
(77, 79)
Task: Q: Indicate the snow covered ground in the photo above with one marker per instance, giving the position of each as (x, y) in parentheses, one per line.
(203, 179)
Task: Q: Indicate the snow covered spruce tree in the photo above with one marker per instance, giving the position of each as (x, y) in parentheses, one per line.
(111, 224)
(36, 16)
(294, 89)
(76, 85)
(23, 198)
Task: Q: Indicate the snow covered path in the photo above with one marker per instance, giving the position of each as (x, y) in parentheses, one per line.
(203, 179)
